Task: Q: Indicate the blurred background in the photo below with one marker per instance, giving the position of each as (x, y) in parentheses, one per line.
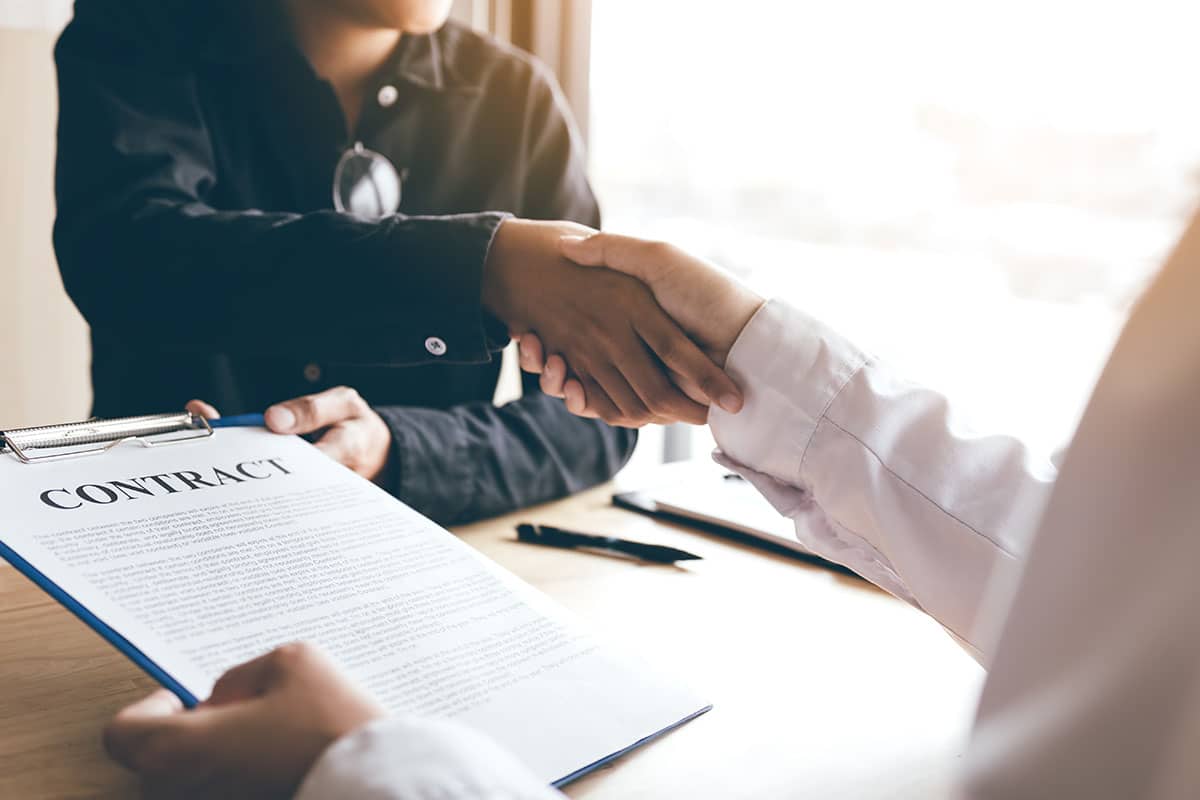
(975, 191)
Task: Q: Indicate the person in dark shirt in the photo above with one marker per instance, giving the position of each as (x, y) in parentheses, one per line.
(271, 200)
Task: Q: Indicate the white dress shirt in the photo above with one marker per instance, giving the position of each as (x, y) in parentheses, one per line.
(1079, 593)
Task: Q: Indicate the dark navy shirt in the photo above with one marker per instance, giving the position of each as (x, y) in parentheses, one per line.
(196, 234)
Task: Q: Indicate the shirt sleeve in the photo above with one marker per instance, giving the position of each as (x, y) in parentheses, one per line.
(143, 252)
(555, 174)
(879, 474)
(409, 758)
(475, 460)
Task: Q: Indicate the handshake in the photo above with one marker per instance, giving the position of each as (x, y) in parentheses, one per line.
(627, 330)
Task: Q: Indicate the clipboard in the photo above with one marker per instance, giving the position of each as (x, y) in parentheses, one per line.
(92, 437)
(666, 704)
(96, 436)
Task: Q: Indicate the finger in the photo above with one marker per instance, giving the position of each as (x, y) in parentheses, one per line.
(269, 671)
(641, 258)
(689, 388)
(599, 404)
(530, 350)
(554, 375)
(662, 398)
(202, 409)
(680, 354)
(576, 402)
(614, 400)
(245, 681)
(312, 412)
(576, 397)
(126, 734)
(178, 753)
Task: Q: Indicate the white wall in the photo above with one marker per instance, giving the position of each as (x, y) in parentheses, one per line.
(46, 15)
(43, 341)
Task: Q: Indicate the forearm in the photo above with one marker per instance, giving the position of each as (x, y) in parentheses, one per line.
(878, 473)
(476, 460)
(282, 284)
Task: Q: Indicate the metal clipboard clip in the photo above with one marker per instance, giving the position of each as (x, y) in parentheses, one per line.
(95, 436)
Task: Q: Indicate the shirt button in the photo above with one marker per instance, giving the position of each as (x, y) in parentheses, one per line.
(435, 346)
(387, 96)
(312, 373)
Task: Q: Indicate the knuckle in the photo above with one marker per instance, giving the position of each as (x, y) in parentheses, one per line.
(349, 395)
(308, 407)
(659, 250)
(710, 384)
(608, 340)
(610, 416)
(662, 402)
(293, 655)
(667, 350)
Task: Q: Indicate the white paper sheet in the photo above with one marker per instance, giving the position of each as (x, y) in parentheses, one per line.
(206, 554)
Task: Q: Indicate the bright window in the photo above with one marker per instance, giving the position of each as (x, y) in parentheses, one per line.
(975, 192)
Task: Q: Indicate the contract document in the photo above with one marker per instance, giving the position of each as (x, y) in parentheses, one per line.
(196, 557)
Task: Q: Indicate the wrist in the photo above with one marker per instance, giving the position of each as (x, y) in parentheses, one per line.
(497, 296)
(742, 311)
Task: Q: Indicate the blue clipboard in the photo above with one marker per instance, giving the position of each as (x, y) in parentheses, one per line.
(25, 444)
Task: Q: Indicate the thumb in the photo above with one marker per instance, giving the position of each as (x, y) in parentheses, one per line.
(640, 258)
(314, 411)
(126, 735)
(166, 745)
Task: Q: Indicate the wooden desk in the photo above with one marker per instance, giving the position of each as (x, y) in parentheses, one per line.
(822, 686)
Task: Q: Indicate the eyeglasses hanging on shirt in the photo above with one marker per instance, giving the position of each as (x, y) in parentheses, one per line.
(366, 184)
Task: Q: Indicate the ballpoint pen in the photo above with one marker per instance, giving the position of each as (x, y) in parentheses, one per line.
(556, 537)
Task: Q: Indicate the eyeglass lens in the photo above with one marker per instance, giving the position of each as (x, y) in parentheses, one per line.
(366, 184)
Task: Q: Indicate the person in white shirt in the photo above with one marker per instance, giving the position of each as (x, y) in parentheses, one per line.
(1074, 586)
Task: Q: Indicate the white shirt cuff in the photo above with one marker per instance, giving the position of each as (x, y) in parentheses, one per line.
(411, 758)
(790, 367)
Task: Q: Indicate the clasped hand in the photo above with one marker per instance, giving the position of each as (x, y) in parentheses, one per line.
(642, 341)
(627, 356)
(705, 303)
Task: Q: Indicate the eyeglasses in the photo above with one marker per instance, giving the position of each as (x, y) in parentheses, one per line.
(366, 184)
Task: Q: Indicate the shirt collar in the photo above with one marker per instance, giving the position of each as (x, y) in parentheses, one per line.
(418, 60)
(425, 61)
